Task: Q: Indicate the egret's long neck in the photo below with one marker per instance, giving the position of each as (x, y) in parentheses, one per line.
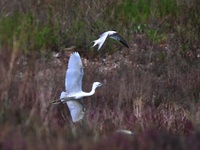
(91, 92)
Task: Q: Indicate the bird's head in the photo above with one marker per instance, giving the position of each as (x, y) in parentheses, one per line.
(97, 84)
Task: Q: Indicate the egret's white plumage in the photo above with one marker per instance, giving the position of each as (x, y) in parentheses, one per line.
(110, 34)
(77, 109)
(73, 84)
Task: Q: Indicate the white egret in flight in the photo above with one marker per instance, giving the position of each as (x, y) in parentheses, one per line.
(110, 34)
(73, 84)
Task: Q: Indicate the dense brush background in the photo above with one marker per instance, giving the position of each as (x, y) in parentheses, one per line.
(153, 88)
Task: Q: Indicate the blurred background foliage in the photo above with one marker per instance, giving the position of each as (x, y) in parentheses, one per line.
(50, 25)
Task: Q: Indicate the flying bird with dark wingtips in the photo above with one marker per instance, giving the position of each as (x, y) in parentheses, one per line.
(110, 34)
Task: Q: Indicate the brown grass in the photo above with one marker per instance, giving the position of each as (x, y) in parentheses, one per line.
(153, 88)
(138, 97)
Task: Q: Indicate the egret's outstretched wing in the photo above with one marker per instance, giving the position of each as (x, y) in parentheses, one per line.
(119, 38)
(74, 74)
(76, 109)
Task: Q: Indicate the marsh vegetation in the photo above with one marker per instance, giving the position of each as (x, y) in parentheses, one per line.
(153, 88)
